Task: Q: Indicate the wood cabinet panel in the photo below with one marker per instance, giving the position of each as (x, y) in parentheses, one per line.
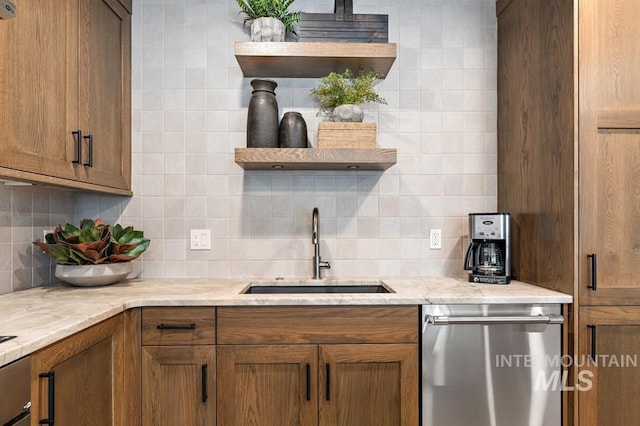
(609, 157)
(104, 69)
(36, 96)
(89, 373)
(317, 324)
(369, 385)
(178, 326)
(267, 385)
(178, 385)
(615, 377)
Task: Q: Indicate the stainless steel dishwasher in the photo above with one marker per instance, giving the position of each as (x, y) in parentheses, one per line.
(15, 402)
(491, 365)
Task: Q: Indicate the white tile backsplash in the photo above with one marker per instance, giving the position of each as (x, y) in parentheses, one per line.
(189, 113)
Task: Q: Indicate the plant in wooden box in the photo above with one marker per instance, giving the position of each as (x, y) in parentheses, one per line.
(95, 253)
(340, 97)
(270, 19)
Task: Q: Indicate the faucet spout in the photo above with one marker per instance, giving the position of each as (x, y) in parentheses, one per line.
(318, 264)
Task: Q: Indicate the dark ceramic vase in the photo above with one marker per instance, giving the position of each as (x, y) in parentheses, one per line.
(262, 118)
(293, 131)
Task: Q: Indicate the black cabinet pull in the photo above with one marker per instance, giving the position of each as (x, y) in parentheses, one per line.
(327, 395)
(308, 368)
(205, 395)
(51, 391)
(594, 277)
(176, 326)
(90, 163)
(593, 341)
(78, 159)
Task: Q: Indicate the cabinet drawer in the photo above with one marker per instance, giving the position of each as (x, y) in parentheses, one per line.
(178, 326)
(317, 324)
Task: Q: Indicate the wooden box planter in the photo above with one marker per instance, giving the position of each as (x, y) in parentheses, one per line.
(346, 135)
(343, 26)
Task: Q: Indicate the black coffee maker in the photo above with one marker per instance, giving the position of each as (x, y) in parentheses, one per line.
(488, 256)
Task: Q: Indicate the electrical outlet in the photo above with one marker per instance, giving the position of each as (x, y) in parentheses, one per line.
(45, 232)
(435, 239)
(200, 239)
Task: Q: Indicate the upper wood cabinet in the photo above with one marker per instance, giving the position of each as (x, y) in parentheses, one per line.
(568, 145)
(63, 69)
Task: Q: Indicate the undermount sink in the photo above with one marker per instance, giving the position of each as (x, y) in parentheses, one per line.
(316, 287)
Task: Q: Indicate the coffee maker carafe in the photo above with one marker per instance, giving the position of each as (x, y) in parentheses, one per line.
(488, 256)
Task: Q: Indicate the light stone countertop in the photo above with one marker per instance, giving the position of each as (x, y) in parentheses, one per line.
(44, 315)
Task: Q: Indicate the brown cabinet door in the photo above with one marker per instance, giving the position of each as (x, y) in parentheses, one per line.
(89, 377)
(267, 385)
(37, 93)
(609, 151)
(178, 385)
(609, 379)
(369, 385)
(104, 93)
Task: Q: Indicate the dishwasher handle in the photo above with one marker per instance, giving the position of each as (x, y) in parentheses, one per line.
(492, 320)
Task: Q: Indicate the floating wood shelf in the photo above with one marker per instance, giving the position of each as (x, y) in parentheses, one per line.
(312, 60)
(315, 159)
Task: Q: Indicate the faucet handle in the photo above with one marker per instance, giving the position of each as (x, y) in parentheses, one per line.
(324, 264)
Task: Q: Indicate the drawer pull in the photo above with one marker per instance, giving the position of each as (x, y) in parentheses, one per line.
(308, 371)
(164, 326)
(327, 395)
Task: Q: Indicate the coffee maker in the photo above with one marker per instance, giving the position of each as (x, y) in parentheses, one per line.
(488, 256)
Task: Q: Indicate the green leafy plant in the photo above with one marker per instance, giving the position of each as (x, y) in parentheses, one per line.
(93, 243)
(255, 9)
(340, 89)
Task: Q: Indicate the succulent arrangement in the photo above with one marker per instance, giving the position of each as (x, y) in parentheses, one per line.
(342, 89)
(254, 9)
(93, 243)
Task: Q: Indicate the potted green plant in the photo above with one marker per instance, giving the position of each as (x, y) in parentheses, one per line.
(94, 253)
(340, 95)
(270, 19)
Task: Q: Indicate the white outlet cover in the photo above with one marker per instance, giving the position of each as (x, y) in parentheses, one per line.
(435, 239)
(200, 239)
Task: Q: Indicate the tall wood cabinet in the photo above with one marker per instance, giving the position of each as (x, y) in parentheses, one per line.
(87, 378)
(569, 172)
(324, 366)
(65, 106)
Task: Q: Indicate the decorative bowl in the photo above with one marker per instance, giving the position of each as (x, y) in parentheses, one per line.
(93, 275)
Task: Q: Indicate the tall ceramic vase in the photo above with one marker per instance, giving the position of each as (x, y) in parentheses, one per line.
(262, 118)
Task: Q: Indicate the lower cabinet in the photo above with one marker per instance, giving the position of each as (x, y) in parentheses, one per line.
(327, 366)
(178, 385)
(84, 379)
(267, 385)
(608, 380)
(178, 366)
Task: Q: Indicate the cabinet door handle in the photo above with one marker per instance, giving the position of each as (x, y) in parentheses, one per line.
(176, 326)
(594, 270)
(205, 395)
(593, 353)
(90, 162)
(78, 159)
(51, 391)
(308, 371)
(327, 395)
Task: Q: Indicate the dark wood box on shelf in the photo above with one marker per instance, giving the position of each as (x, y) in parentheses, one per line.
(344, 25)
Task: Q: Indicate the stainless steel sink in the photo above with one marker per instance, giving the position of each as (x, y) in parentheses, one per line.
(316, 287)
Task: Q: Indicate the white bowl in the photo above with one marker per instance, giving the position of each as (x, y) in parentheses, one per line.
(93, 275)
